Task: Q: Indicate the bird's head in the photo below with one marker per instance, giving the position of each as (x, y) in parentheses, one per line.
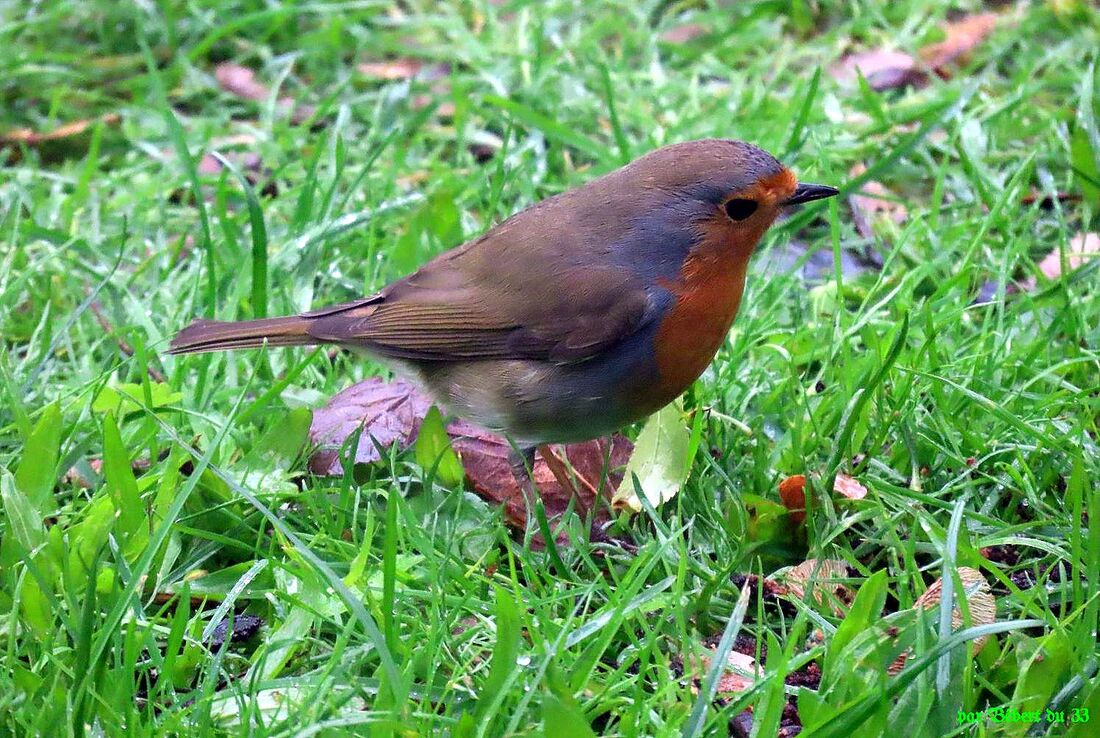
(732, 190)
(714, 197)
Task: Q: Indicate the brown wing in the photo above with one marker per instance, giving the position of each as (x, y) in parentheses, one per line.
(489, 300)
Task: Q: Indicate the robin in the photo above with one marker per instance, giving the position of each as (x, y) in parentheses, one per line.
(575, 317)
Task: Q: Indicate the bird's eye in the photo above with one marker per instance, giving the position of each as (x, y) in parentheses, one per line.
(740, 208)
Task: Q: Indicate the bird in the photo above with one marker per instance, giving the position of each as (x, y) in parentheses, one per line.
(582, 314)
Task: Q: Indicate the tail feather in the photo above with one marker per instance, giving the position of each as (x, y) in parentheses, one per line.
(214, 335)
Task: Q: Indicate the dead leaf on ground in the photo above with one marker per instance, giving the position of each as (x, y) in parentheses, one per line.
(883, 69)
(407, 68)
(72, 133)
(1081, 248)
(820, 265)
(739, 675)
(68, 130)
(684, 34)
(416, 69)
(391, 413)
(1047, 200)
(874, 202)
(244, 628)
(792, 491)
(241, 81)
(980, 603)
(849, 487)
(962, 37)
(445, 109)
(388, 412)
(249, 163)
(824, 580)
(892, 69)
(74, 476)
(486, 458)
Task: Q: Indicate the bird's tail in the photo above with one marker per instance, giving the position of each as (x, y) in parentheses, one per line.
(214, 335)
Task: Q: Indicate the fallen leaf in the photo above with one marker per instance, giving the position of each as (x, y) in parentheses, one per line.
(75, 128)
(138, 466)
(739, 674)
(400, 69)
(683, 34)
(792, 491)
(392, 413)
(891, 69)
(980, 602)
(1047, 200)
(883, 69)
(445, 109)
(660, 461)
(388, 412)
(821, 578)
(962, 37)
(848, 487)
(1081, 248)
(69, 133)
(240, 81)
(872, 203)
(248, 162)
(820, 264)
(487, 460)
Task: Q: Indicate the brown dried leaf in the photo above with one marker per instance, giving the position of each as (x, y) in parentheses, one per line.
(138, 466)
(849, 487)
(445, 109)
(873, 202)
(883, 70)
(486, 458)
(792, 491)
(69, 139)
(389, 412)
(248, 162)
(683, 34)
(69, 130)
(1047, 201)
(398, 69)
(980, 602)
(1081, 248)
(240, 81)
(739, 675)
(820, 577)
(890, 69)
(963, 36)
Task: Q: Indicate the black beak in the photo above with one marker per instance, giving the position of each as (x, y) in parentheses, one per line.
(806, 192)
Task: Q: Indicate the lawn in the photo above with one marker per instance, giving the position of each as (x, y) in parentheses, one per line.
(924, 350)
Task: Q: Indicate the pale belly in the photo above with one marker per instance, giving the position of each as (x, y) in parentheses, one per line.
(537, 402)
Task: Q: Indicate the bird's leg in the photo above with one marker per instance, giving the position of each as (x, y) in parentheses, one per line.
(522, 460)
(561, 474)
(596, 533)
(523, 466)
(523, 469)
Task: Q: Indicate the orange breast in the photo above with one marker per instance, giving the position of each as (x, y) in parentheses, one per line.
(708, 295)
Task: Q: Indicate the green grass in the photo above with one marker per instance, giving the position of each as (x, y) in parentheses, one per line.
(392, 608)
